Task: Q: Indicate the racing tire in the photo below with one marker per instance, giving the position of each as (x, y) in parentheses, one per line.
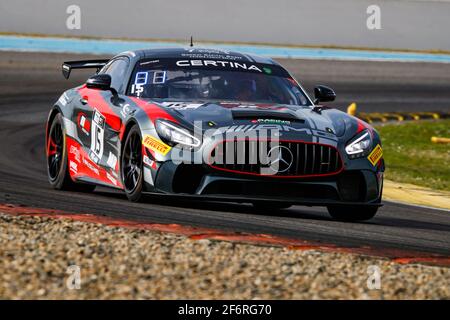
(352, 213)
(266, 205)
(57, 160)
(132, 165)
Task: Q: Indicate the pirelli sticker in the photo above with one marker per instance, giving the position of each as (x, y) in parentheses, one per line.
(155, 145)
(375, 155)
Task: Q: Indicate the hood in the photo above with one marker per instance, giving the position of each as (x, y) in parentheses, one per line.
(225, 114)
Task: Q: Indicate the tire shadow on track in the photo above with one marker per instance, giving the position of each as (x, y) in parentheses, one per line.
(232, 207)
(296, 212)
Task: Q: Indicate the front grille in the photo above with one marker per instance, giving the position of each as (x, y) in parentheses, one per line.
(298, 159)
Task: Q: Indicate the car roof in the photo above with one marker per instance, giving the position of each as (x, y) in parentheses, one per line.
(197, 53)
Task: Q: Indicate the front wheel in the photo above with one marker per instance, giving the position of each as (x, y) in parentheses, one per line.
(131, 165)
(352, 213)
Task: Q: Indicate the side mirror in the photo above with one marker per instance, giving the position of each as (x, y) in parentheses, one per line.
(103, 82)
(323, 94)
(99, 81)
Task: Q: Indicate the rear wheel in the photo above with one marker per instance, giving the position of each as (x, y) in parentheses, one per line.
(131, 165)
(352, 213)
(58, 174)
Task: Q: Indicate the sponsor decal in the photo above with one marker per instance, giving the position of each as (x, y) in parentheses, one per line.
(112, 160)
(91, 167)
(63, 99)
(126, 110)
(156, 145)
(97, 136)
(137, 89)
(207, 51)
(375, 155)
(271, 121)
(84, 123)
(76, 153)
(149, 62)
(210, 54)
(232, 105)
(111, 178)
(115, 174)
(148, 161)
(259, 127)
(73, 167)
(181, 106)
(218, 63)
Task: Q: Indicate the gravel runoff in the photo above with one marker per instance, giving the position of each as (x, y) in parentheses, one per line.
(121, 263)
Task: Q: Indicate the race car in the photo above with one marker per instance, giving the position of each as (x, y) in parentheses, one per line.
(213, 125)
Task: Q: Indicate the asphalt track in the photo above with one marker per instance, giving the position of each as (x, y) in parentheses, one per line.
(31, 82)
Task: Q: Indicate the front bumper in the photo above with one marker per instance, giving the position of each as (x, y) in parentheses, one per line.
(351, 187)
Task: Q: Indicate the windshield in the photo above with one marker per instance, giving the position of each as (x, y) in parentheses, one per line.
(173, 79)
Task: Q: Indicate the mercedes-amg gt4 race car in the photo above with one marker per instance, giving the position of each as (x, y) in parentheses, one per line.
(214, 125)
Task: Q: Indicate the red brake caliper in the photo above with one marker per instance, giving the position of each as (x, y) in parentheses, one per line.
(51, 147)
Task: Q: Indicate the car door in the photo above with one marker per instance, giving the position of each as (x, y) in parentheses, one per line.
(98, 123)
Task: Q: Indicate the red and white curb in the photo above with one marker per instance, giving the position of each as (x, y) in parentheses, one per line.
(198, 233)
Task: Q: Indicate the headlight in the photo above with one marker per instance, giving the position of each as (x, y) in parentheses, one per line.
(360, 145)
(173, 134)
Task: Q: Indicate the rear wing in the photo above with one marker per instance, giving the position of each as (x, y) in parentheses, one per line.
(85, 64)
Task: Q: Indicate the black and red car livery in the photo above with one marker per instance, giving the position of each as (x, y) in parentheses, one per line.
(215, 125)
